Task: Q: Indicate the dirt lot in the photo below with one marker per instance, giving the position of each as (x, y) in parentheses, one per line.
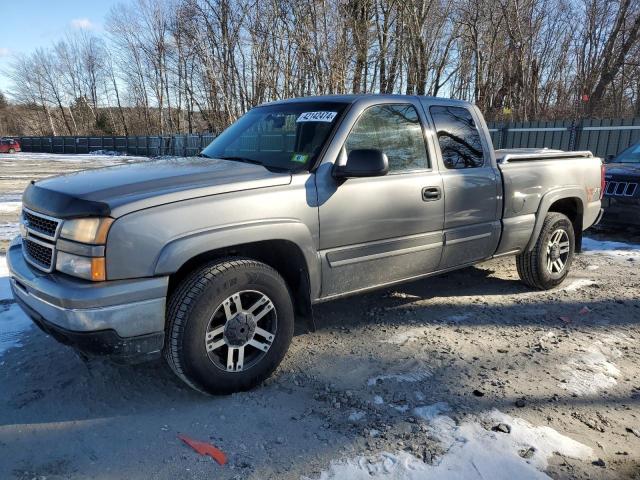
(468, 375)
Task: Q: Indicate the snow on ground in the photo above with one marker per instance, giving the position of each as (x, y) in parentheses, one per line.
(5, 291)
(429, 412)
(406, 336)
(10, 197)
(13, 321)
(411, 371)
(621, 250)
(578, 284)
(10, 207)
(471, 451)
(110, 158)
(9, 230)
(593, 370)
(400, 377)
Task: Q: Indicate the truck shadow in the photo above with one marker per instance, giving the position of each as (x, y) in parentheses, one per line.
(51, 401)
(472, 287)
(44, 371)
(54, 403)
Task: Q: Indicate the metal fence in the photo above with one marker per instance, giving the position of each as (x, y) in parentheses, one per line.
(602, 137)
(151, 146)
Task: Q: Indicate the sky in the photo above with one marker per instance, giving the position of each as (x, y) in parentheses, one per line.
(29, 24)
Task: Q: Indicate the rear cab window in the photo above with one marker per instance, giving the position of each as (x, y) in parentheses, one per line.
(458, 137)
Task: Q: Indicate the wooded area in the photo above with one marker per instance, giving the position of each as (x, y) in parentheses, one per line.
(189, 66)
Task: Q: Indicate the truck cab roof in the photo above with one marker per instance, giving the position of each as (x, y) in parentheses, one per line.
(367, 96)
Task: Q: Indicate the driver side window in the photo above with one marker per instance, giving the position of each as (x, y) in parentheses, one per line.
(396, 131)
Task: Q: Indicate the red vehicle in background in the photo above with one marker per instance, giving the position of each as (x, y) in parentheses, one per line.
(9, 145)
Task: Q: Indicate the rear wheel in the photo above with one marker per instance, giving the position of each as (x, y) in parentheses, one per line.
(548, 264)
(230, 324)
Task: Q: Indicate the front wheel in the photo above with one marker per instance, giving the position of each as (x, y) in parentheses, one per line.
(11, 150)
(230, 324)
(547, 264)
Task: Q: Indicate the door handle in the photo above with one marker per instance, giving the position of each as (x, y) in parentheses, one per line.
(431, 194)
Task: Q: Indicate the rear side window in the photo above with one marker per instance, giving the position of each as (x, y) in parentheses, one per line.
(458, 137)
(396, 131)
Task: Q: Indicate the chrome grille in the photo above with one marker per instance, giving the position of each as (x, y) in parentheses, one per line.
(620, 189)
(38, 253)
(40, 224)
(40, 233)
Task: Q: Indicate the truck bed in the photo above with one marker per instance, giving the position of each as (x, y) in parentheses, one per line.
(533, 179)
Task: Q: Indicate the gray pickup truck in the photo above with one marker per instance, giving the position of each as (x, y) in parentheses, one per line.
(211, 260)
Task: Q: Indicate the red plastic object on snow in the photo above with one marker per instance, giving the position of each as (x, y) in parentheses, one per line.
(204, 448)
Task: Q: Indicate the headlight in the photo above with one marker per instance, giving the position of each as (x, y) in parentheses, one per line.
(87, 230)
(90, 268)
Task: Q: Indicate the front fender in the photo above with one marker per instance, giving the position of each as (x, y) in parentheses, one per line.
(549, 199)
(180, 250)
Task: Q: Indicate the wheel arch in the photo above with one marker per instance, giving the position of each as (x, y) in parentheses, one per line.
(292, 260)
(569, 202)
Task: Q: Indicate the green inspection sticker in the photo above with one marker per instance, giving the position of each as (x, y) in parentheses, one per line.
(300, 157)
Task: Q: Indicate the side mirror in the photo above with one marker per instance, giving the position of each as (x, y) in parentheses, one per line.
(609, 158)
(363, 163)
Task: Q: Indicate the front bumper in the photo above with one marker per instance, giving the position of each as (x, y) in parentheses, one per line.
(123, 318)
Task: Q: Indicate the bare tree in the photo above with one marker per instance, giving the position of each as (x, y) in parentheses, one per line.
(172, 66)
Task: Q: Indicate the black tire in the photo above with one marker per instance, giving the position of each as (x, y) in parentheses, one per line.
(533, 267)
(191, 308)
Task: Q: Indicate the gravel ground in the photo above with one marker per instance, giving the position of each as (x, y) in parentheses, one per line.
(469, 374)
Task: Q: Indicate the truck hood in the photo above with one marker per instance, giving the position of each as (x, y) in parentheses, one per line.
(98, 192)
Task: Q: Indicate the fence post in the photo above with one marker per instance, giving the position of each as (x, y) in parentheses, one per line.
(504, 131)
(578, 134)
(572, 136)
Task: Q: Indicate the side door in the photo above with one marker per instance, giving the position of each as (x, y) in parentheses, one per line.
(471, 185)
(378, 230)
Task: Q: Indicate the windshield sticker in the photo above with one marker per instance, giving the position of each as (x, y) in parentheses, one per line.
(299, 157)
(317, 117)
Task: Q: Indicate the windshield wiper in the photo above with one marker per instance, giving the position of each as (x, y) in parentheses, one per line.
(241, 159)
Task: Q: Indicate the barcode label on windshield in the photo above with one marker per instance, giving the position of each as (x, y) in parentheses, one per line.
(317, 117)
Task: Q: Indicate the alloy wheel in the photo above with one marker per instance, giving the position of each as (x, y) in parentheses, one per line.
(241, 331)
(558, 249)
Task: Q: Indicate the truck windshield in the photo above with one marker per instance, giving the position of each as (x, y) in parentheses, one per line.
(287, 136)
(630, 155)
